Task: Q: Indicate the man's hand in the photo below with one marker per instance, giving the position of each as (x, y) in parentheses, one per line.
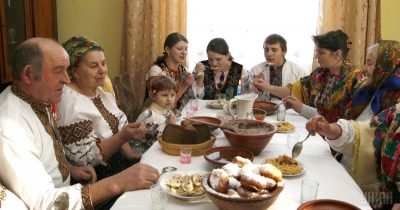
(138, 176)
(85, 174)
(261, 84)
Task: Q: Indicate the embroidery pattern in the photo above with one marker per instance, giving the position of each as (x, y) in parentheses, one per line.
(40, 111)
(108, 116)
(75, 132)
(3, 194)
(86, 199)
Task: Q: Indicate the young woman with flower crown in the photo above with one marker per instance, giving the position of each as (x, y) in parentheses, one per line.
(160, 103)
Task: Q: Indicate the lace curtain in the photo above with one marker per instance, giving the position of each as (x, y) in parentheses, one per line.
(146, 24)
(361, 20)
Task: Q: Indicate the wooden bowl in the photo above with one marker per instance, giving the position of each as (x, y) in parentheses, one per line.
(252, 141)
(269, 107)
(223, 155)
(225, 202)
(197, 149)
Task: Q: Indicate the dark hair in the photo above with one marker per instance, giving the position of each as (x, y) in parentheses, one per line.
(276, 38)
(170, 41)
(219, 45)
(27, 53)
(334, 40)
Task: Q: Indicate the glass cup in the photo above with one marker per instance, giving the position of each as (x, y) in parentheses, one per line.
(185, 154)
(158, 197)
(309, 190)
(291, 139)
(194, 103)
(189, 111)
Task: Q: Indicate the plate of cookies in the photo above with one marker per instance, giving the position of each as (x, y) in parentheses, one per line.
(287, 165)
(184, 185)
(284, 127)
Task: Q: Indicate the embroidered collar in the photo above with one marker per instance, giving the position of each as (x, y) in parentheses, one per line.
(36, 104)
(159, 109)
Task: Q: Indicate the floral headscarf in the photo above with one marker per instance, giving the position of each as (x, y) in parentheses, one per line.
(330, 94)
(384, 89)
(77, 46)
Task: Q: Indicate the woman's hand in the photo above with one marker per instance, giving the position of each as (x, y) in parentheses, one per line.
(199, 69)
(84, 174)
(133, 131)
(189, 79)
(320, 125)
(294, 103)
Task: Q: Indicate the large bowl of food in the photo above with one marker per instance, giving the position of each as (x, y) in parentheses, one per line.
(242, 185)
(252, 135)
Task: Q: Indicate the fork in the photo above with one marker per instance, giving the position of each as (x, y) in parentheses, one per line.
(298, 147)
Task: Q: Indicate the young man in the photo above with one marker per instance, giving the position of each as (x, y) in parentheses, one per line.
(276, 70)
(32, 160)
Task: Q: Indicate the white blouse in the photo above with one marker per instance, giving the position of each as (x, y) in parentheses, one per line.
(82, 125)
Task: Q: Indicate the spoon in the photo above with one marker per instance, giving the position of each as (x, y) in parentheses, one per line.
(147, 114)
(298, 147)
(167, 169)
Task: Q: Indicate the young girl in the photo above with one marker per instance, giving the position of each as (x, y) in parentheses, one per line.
(160, 104)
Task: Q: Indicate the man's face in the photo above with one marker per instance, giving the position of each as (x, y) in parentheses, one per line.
(273, 54)
(48, 88)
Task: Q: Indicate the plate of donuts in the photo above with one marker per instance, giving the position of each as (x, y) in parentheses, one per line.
(184, 185)
(287, 165)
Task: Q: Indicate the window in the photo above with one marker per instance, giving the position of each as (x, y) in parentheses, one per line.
(245, 24)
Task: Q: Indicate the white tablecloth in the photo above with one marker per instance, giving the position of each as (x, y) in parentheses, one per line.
(319, 164)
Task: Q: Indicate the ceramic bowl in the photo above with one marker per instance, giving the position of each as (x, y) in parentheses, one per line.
(223, 201)
(252, 135)
(269, 107)
(207, 119)
(259, 114)
(220, 156)
(197, 149)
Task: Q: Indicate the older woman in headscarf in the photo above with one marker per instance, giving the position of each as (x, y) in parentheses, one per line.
(372, 146)
(94, 131)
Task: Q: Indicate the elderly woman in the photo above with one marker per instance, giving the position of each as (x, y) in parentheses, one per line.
(371, 148)
(171, 64)
(219, 75)
(94, 131)
(329, 88)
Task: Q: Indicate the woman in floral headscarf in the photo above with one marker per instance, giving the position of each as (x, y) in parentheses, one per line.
(330, 87)
(374, 141)
(382, 88)
(94, 131)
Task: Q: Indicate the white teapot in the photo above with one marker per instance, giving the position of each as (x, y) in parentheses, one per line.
(244, 106)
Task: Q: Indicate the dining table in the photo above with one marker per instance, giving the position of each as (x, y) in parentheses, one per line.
(316, 158)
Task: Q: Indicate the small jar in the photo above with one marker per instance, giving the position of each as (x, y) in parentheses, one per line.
(281, 113)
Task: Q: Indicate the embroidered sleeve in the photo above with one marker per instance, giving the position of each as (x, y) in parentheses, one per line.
(86, 199)
(81, 144)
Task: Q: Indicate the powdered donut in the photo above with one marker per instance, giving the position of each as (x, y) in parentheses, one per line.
(232, 169)
(270, 171)
(241, 162)
(219, 180)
